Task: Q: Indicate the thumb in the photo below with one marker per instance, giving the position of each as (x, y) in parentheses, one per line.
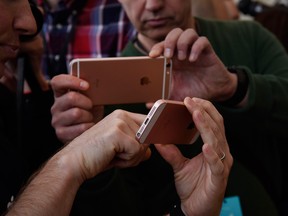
(171, 154)
(157, 50)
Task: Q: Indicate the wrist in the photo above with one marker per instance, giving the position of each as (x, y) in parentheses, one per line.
(67, 165)
(241, 89)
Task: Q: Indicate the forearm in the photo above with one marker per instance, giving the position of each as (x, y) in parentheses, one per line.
(269, 77)
(50, 192)
(268, 95)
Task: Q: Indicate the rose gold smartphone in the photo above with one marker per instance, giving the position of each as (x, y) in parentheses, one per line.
(168, 122)
(122, 80)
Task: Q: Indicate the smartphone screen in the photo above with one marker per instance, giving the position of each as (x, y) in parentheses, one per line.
(168, 122)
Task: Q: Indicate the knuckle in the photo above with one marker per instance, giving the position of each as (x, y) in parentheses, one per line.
(76, 113)
(120, 114)
(72, 97)
(60, 132)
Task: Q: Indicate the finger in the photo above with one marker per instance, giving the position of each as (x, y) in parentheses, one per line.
(201, 44)
(209, 130)
(167, 46)
(149, 105)
(64, 82)
(170, 42)
(67, 134)
(71, 100)
(184, 43)
(129, 150)
(217, 124)
(137, 118)
(134, 122)
(213, 159)
(147, 153)
(133, 151)
(71, 117)
(172, 155)
(126, 123)
(211, 111)
(157, 50)
(120, 162)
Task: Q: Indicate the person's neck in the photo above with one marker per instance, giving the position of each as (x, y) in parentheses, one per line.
(147, 43)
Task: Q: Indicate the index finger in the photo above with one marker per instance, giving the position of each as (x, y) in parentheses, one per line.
(64, 82)
(209, 122)
(167, 46)
(209, 108)
(138, 118)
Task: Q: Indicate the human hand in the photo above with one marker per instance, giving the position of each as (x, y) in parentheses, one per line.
(201, 181)
(197, 70)
(72, 112)
(109, 143)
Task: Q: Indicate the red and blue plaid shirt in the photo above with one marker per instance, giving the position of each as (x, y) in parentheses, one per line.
(83, 28)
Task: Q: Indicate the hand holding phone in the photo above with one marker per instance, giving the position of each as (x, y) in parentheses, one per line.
(168, 122)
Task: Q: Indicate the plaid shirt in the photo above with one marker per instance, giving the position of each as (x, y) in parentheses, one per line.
(97, 28)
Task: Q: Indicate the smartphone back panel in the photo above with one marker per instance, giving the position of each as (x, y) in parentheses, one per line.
(123, 80)
(168, 122)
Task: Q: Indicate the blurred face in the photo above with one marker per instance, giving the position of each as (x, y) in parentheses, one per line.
(155, 18)
(16, 19)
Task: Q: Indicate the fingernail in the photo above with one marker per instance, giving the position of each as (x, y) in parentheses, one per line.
(84, 85)
(195, 99)
(154, 53)
(192, 57)
(188, 99)
(167, 53)
(181, 55)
